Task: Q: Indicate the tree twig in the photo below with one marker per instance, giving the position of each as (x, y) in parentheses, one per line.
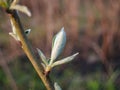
(13, 15)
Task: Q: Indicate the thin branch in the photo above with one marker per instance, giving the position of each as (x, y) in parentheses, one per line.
(28, 49)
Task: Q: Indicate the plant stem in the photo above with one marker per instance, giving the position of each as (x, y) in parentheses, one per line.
(28, 49)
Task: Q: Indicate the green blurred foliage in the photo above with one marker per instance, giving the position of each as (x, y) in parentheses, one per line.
(27, 78)
(25, 75)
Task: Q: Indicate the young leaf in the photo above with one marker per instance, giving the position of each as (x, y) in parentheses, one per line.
(42, 57)
(58, 45)
(44, 66)
(21, 8)
(65, 60)
(53, 41)
(14, 2)
(13, 35)
(27, 32)
(13, 27)
(56, 86)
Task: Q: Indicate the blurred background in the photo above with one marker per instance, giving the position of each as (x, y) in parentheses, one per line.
(93, 30)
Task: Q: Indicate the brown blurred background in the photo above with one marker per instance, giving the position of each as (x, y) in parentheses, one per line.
(92, 28)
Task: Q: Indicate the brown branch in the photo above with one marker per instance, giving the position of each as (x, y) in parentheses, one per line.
(101, 54)
(28, 49)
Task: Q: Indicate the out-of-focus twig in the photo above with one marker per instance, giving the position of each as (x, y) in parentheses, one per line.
(102, 56)
(49, 23)
(7, 71)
